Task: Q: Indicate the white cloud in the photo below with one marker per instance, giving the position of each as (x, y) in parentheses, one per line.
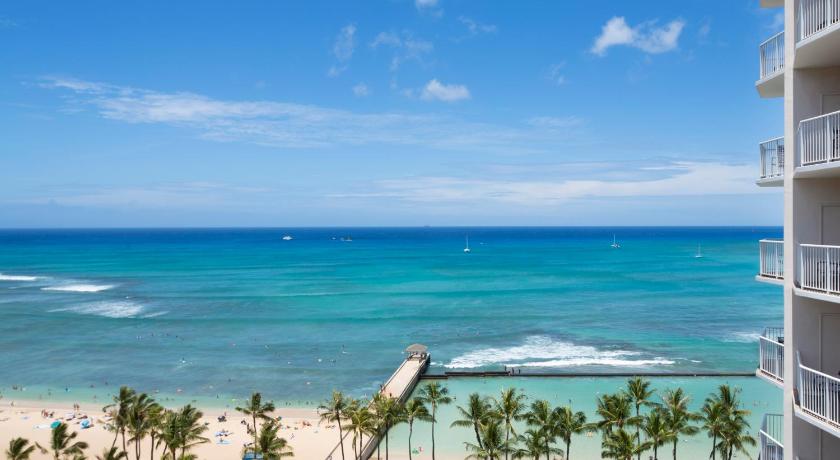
(477, 28)
(646, 36)
(292, 125)
(555, 122)
(555, 74)
(361, 90)
(343, 48)
(405, 47)
(679, 179)
(435, 90)
(420, 4)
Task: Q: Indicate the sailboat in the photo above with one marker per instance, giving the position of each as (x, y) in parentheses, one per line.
(615, 244)
(699, 254)
(467, 247)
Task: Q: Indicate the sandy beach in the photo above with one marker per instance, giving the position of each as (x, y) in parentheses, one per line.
(299, 426)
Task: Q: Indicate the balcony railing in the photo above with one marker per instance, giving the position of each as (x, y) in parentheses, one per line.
(770, 437)
(817, 15)
(819, 394)
(772, 56)
(772, 158)
(819, 139)
(771, 351)
(772, 259)
(819, 268)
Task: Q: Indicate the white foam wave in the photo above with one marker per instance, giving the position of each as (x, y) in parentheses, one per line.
(17, 277)
(79, 288)
(108, 309)
(542, 351)
(743, 337)
(155, 314)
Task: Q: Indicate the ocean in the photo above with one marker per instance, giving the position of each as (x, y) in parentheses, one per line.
(218, 313)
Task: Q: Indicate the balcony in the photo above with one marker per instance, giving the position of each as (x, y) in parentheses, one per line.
(819, 146)
(818, 33)
(817, 398)
(771, 266)
(771, 82)
(770, 437)
(819, 272)
(771, 352)
(772, 163)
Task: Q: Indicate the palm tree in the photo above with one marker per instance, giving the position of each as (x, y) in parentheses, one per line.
(615, 411)
(542, 418)
(493, 445)
(735, 436)
(677, 416)
(112, 454)
(122, 403)
(414, 410)
(332, 411)
(569, 423)
(390, 412)
(622, 445)
(257, 410)
(360, 421)
(474, 415)
(656, 430)
(638, 389)
(533, 442)
(270, 445)
(62, 443)
(510, 407)
(154, 415)
(713, 415)
(182, 430)
(19, 449)
(434, 394)
(137, 420)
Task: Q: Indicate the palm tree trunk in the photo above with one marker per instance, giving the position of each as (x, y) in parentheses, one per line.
(675, 449)
(254, 416)
(340, 436)
(507, 440)
(638, 439)
(116, 435)
(410, 430)
(123, 440)
(714, 443)
(477, 435)
(433, 432)
(568, 447)
(655, 455)
(386, 443)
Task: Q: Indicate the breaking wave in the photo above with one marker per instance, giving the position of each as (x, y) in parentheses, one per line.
(107, 309)
(4, 277)
(542, 351)
(79, 288)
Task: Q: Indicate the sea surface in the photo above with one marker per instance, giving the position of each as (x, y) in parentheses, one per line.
(217, 313)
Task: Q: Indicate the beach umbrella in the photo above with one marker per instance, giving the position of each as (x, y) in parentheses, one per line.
(55, 425)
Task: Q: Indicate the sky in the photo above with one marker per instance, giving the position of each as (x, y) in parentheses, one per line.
(384, 112)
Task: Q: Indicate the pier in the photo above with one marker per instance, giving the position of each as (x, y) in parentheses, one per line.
(398, 386)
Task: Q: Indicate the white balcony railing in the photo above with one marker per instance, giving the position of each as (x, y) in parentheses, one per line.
(772, 158)
(772, 56)
(819, 139)
(819, 268)
(772, 259)
(819, 394)
(817, 15)
(770, 437)
(771, 352)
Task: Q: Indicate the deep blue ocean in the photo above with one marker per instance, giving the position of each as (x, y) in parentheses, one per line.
(222, 312)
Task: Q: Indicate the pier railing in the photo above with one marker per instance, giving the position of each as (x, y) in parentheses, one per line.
(770, 437)
(772, 56)
(771, 258)
(771, 350)
(819, 139)
(772, 158)
(816, 16)
(819, 268)
(819, 394)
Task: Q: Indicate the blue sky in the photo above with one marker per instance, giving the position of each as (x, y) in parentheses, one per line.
(393, 112)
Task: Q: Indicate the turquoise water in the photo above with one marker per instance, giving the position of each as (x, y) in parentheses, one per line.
(757, 396)
(219, 313)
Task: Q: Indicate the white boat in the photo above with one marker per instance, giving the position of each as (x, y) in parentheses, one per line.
(615, 244)
(467, 249)
(287, 238)
(699, 254)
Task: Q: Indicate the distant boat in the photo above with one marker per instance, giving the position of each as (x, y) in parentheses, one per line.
(287, 238)
(347, 239)
(615, 244)
(467, 247)
(699, 254)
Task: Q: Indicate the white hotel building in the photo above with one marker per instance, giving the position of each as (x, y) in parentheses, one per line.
(802, 65)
